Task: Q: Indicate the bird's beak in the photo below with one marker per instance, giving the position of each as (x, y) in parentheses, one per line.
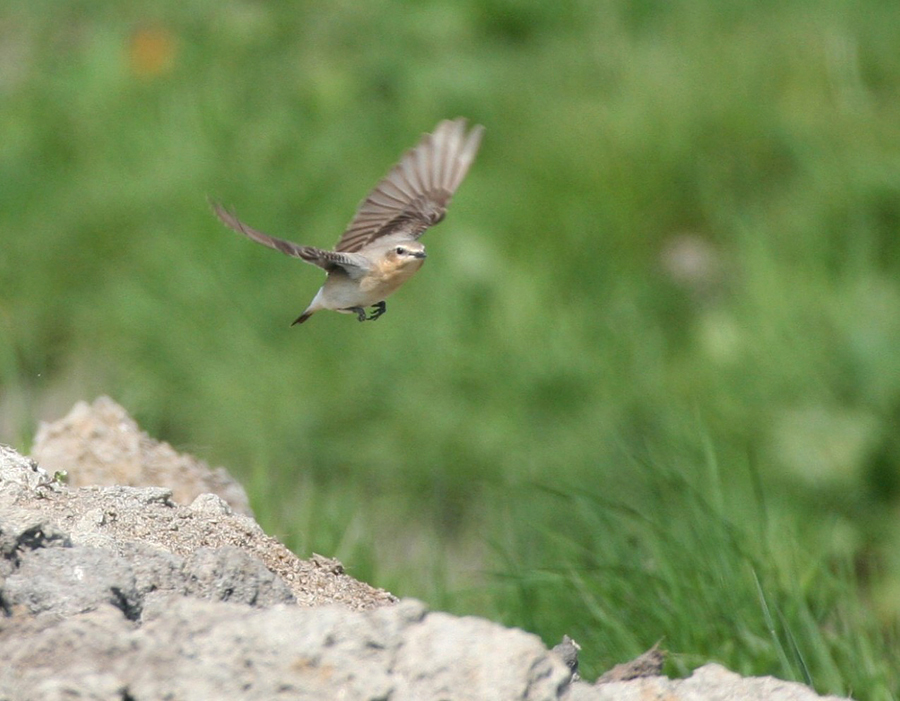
(420, 254)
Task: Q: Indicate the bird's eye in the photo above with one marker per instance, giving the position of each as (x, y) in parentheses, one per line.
(400, 250)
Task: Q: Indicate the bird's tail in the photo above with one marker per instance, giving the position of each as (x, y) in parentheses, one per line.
(303, 317)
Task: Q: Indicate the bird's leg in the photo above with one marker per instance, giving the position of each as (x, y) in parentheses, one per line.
(359, 311)
(379, 309)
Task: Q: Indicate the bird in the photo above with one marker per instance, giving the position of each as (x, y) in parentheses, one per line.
(380, 249)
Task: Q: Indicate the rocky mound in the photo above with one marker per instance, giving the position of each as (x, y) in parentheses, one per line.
(100, 444)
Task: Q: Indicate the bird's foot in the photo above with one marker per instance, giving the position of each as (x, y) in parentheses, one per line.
(378, 310)
(359, 311)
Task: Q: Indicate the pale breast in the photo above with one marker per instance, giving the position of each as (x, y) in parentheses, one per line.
(341, 292)
(386, 278)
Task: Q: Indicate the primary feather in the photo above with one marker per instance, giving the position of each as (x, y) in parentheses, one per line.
(414, 195)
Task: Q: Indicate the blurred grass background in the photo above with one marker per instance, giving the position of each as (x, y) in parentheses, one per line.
(648, 383)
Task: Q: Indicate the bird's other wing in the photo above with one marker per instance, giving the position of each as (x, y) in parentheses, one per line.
(414, 195)
(354, 264)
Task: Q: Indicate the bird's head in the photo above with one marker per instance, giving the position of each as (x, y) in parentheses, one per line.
(406, 253)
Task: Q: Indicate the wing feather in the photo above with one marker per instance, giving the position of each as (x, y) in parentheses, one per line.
(354, 264)
(414, 195)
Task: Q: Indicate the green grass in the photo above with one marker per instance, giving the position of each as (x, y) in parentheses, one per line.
(683, 223)
(711, 576)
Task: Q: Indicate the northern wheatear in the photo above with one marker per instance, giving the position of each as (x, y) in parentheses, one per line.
(380, 249)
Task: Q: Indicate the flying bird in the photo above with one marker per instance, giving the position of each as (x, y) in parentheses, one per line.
(380, 250)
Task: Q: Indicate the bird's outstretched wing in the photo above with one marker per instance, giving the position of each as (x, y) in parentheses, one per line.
(353, 263)
(414, 195)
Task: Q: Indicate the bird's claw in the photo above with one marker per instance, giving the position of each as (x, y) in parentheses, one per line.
(378, 310)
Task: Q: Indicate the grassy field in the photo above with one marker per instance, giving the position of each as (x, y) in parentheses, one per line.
(647, 386)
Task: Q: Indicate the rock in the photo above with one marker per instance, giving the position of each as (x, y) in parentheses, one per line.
(100, 444)
(72, 580)
(118, 592)
(144, 527)
(711, 682)
(567, 651)
(18, 471)
(649, 664)
(192, 649)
